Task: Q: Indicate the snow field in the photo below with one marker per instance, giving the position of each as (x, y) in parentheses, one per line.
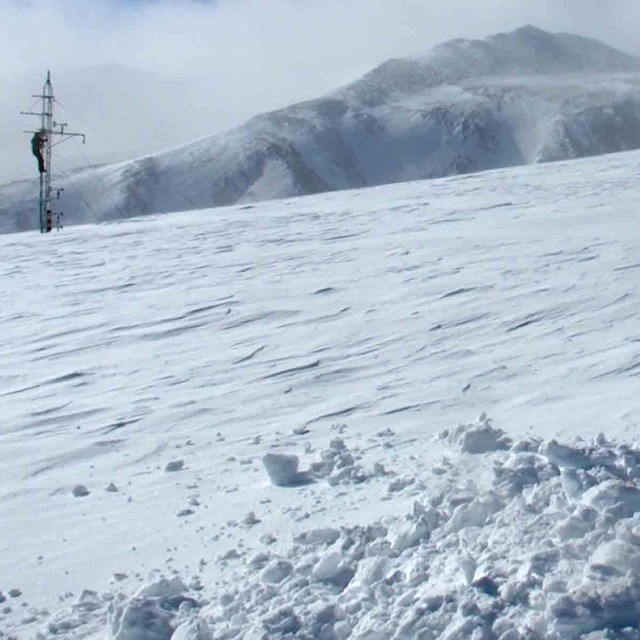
(150, 368)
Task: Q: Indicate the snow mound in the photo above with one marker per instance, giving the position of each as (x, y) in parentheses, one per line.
(338, 465)
(477, 437)
(516, 558)
(537, 540)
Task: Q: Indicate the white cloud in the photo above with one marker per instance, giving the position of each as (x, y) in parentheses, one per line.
(227, 60)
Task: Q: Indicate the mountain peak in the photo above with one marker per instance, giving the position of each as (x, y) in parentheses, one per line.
(527, 50)
(531, 30)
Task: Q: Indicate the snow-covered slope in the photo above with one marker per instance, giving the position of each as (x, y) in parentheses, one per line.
(151, 368)
(517, 98)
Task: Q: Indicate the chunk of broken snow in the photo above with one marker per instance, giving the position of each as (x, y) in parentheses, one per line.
(574, 483)
(283, 469)
(251, 519)
(338, 465)
(174, 465)
(163, 588)
(331, 568)
(194, 629)
(370, 571)
(276, 571)
(80, 491)
(139, 619)
(327, 567)
(404, 535)
(317, 536)
(618, 554)
(612, 492)
(563, 455)
(475, 513)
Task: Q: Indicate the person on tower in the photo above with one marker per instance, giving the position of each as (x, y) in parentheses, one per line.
(38, 143)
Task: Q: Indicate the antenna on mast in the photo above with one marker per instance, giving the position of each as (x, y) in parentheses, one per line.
(41, 144)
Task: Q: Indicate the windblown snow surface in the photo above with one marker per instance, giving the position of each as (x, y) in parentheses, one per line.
(406, 412)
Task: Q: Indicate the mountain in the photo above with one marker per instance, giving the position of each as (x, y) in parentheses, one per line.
(267, 424)
(468, 105)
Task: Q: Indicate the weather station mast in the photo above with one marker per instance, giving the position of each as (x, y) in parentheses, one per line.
(42, 144)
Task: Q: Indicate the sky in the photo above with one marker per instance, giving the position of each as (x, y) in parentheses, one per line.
(143, 75)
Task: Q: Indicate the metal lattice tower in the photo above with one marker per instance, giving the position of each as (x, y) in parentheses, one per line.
(50, 128)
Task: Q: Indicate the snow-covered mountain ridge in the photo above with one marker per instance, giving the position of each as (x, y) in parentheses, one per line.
(528, 50)
(517, 98)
